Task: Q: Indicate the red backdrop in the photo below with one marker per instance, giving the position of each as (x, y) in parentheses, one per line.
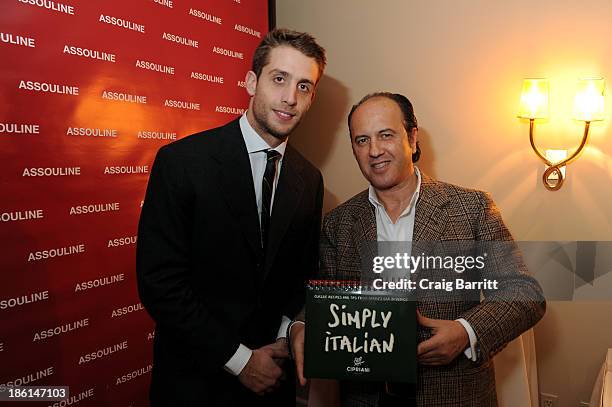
(89, 91)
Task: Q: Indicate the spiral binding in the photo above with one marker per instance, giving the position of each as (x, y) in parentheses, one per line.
(357, 287)
(340, 285)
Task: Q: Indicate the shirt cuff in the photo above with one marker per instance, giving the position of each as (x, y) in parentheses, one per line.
(470, 352)
(239, 360)
(282, 331)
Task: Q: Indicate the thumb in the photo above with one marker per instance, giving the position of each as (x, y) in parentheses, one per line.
(426, 322)
(299, 364)
(297, 345)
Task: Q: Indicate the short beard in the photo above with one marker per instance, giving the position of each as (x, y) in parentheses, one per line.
(263, 126)
(274, 133)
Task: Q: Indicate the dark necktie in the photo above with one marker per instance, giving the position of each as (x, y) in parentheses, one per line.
(266, 194)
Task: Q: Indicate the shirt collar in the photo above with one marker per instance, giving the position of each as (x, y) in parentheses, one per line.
(253, 141)
(415, 197)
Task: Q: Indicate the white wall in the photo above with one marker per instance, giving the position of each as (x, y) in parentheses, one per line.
(461, 62)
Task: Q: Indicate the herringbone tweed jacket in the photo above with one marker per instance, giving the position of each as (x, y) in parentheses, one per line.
(444, 212)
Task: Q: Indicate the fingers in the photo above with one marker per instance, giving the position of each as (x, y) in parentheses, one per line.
(269, 389)
(280, 362)
(433, 357)
(429, 345)
(438, 350)
(261, 374)
(273, 372)
(276, 352)
(297, 343)
(299, 365)
(437, 361)
(431, 352)
(262, 386)
(272, 381)
(426, 322)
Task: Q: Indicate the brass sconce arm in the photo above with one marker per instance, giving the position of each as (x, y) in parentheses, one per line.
(554, 169)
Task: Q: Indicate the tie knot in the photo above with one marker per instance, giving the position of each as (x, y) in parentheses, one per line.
(272, 155)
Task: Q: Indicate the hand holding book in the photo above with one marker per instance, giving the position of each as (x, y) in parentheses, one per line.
(449, 339)
(296, 341)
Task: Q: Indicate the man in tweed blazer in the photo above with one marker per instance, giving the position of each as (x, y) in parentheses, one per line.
(458, 338)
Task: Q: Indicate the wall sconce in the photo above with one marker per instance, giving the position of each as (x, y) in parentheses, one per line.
(588, 107)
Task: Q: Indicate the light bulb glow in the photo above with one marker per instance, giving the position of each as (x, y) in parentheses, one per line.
(534, 99)
(589, 100)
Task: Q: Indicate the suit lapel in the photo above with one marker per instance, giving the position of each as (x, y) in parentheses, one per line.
(364, 233)
(430, 220)
(364, 219)
(236, 181)
(287, 197)
(430, 217)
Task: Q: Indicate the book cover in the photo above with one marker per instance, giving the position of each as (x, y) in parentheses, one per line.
(358, 333)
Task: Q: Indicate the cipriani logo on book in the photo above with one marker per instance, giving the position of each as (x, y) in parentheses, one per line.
(358, 366)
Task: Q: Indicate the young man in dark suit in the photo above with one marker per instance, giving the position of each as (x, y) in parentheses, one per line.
(227, 236)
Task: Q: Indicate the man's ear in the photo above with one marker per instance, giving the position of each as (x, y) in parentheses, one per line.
(412, 139)
(251, 82)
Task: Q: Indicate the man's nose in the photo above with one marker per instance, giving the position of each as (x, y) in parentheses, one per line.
(290, 95)
(375, 148)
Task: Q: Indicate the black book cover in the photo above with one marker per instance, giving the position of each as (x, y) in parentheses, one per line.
(359, 333)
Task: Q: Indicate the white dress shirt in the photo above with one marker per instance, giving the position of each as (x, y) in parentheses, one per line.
(256, 148)
(402, 231)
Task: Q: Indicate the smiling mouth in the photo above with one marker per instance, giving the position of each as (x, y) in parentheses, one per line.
(379, 165)
(284, 115)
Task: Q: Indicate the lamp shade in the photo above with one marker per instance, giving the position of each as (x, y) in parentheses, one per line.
(534, 99)
(589, 101)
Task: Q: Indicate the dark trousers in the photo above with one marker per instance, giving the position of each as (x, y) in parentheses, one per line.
(397, 395)
(189, 388)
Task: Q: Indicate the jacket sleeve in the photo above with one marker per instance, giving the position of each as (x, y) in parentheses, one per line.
(328, 249)
(518, 303)
(163, 258)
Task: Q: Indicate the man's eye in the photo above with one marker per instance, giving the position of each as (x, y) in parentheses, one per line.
(385, 135)
(360, 140)
(304, 87)
(278, 79)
